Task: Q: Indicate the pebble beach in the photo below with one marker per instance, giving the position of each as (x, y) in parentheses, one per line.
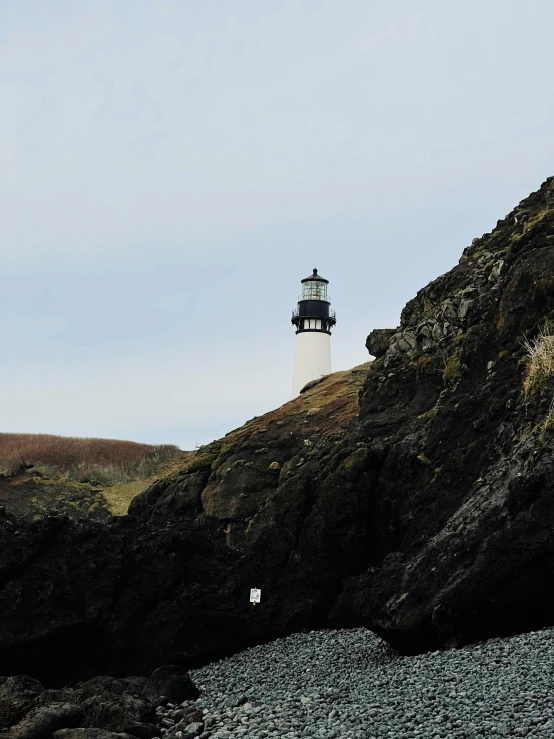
(349, 683)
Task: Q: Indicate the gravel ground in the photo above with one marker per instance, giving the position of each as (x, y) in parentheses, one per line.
(348, 683)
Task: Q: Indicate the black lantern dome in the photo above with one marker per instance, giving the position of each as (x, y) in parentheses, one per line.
(313, 312)
(315, 276)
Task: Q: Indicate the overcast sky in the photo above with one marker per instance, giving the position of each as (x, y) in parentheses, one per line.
(169, 171)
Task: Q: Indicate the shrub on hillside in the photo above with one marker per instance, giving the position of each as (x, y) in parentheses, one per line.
(101, 461)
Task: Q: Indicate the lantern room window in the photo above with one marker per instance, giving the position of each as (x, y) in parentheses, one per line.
(314, 290)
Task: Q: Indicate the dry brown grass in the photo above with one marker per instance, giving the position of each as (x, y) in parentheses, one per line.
(540, 366)
(101, 461)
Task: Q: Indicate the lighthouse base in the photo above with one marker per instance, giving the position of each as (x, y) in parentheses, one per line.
(312, 358)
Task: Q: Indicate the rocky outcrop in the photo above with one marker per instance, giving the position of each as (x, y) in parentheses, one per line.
(412, 495)
(103, 704)
(29, 495)
(465, 486)
(170, 583)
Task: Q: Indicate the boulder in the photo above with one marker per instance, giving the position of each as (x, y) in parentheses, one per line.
(169, 683)
(194, 729)
(54, 696)
(188, 715)
(43, 721)
(115, 705)
(137, 681)
(379, 340)
(17, 695)
(141, 730)
(20, 688)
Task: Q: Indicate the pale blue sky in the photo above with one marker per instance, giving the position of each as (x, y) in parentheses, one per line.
(169, 171)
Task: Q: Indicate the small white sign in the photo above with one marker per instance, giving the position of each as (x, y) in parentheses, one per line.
(255, 595)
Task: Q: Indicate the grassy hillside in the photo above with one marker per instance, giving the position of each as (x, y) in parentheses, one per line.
(42, 473)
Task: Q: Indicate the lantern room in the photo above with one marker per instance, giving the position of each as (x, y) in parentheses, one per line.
(314, 287)
(313, 312)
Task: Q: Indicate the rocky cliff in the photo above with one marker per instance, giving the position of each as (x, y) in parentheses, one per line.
(423, 511)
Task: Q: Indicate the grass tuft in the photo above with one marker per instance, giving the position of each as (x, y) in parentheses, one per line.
(536, 219)
(452, 369)
(549, 420)
(540, 366)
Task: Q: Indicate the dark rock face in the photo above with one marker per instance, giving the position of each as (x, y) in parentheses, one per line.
(423, 513)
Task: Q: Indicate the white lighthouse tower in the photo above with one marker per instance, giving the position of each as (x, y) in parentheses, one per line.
(313, 319)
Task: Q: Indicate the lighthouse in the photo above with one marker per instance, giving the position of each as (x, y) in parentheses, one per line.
(313, 319)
